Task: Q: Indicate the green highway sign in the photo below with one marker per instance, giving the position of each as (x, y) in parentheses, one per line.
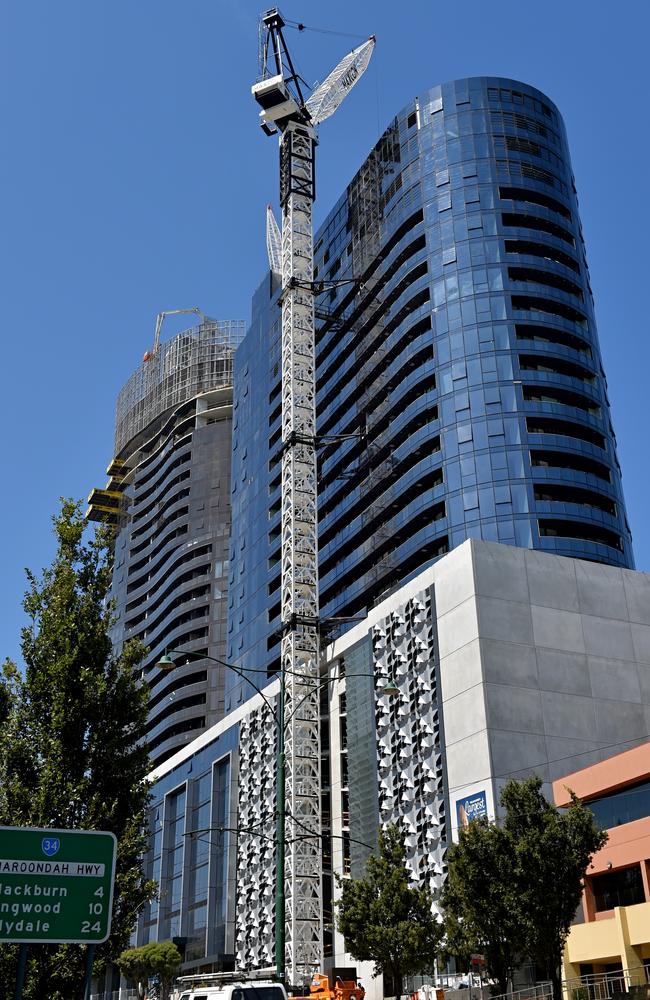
(56, 886)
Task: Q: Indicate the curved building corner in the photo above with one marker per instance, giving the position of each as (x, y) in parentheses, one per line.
(169, 497)
(460, 386)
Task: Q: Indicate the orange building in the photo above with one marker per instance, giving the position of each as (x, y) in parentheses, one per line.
(611, 935)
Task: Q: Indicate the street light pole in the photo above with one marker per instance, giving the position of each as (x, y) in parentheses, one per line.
(390, 690)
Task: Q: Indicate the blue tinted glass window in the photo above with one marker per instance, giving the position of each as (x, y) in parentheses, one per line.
(622, 807)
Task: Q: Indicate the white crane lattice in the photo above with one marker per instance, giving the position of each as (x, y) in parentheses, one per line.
(285, 111)
(273, 242)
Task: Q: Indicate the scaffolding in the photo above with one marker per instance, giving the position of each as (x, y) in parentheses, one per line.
(196, 360)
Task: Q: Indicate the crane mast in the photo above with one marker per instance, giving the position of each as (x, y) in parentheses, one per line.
(284, 111)
(299, 571)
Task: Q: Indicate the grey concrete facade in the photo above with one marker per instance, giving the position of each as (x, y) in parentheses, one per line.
(171, 566)
(544, 661)
(539, 664)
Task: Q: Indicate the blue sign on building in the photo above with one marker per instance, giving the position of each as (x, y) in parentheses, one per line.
(472, 807)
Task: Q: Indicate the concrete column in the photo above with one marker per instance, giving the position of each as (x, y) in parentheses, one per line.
(645, 875)
(588, 902)
(569, 972)
(630, 957)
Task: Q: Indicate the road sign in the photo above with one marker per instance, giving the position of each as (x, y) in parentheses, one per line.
(56, 886)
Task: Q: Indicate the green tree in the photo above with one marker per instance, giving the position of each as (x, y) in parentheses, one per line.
(552, 851)
(512, 890)
(72, 751)
(159, 959)
(134, 966)
(479, 900)
(386, 920)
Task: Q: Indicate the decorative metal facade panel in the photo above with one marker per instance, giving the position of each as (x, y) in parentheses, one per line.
(255, 905)
(409, 760)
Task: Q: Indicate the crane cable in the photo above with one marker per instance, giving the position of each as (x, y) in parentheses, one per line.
(323, 31)
(299, 26)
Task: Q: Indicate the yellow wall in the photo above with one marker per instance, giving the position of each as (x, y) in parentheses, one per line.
(638, 922)
(624, 937)
(592, 942)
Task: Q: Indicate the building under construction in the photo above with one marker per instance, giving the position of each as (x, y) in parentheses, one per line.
(169, 497)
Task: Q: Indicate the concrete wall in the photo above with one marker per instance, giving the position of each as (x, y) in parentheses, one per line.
(544, 662)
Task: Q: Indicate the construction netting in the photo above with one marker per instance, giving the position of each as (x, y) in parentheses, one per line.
(196, 360)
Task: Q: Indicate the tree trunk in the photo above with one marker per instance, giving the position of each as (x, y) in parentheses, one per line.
(556, 980)
(498, 969)
(502, 985)
(394, 983)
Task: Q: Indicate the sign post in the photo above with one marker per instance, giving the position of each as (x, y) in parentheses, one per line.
(20, 976)
(90, 954)
(56, 887)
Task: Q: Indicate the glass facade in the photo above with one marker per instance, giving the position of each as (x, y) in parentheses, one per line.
(361, 750)
(625, 806)
(621, 888)
(191, 855)
(460, 388)
(255, 532)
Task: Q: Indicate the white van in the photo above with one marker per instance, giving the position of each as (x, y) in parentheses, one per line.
(243, 990)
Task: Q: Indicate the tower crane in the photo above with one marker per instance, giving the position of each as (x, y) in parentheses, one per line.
(160, 318)
(286, 112)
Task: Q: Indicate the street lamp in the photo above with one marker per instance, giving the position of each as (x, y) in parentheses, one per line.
(390, 690)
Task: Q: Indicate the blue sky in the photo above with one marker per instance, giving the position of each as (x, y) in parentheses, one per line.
(134, 178)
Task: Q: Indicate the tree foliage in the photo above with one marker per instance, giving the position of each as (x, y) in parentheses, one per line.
(479, 900)
(158, 959)
(72, 752)
(512, 890)
(552, 851)
(386, 920)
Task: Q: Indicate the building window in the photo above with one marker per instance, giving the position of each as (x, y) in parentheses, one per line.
(172, 864)
(558, 528)
(569, 460)
(625, 806)
(620, 888)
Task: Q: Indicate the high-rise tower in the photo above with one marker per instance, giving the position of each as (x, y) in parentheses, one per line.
(460, 396)
(169, 496)
(460, 387)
